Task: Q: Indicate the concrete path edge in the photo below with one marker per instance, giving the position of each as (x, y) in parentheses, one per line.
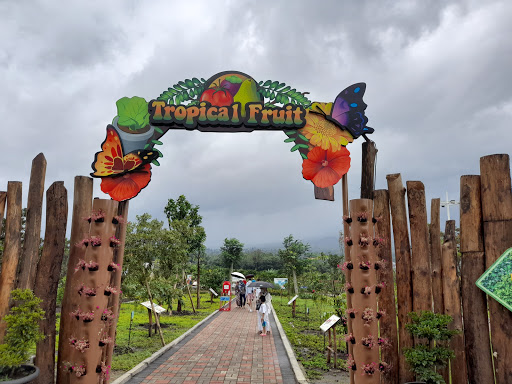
(143, 364)
(299, 374)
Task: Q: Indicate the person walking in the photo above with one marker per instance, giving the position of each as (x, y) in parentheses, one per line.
(242, 293)
(250, 296)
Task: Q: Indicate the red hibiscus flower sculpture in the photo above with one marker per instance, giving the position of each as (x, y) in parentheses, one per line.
(128, 185)
(325, 167)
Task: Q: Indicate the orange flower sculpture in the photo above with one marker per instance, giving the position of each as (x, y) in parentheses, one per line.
(128, 185)
(325, 167)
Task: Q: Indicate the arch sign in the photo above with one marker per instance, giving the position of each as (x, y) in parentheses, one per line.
(230, 102)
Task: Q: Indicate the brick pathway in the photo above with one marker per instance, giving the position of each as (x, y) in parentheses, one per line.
(226, 350)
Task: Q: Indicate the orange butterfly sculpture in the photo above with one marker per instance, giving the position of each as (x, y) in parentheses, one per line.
(122, 176)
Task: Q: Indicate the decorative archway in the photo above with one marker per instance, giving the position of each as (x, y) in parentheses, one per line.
(231, 101)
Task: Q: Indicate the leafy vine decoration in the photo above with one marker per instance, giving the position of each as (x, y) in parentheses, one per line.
(190, 90)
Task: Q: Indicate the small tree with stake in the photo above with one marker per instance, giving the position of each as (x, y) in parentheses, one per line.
(22, 331)
(430, 330)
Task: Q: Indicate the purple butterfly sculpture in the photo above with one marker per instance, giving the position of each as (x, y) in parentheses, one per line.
(348, 110)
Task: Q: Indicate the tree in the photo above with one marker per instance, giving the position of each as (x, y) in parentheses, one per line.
(231, 252)
(292, 254)
(153, 254)
(182, 210)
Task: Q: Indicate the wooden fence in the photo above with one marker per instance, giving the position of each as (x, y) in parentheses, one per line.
(427, 277)
(26, 266)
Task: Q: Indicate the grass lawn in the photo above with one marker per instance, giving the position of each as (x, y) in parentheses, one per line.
(140, 347)
(304, 332)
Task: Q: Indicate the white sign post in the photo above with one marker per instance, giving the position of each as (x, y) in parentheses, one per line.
(293, 299)
(215, 293)
(328, 326)
(158, 309)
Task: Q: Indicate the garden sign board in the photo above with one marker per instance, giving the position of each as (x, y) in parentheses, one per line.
(497, 280)
(230, 101)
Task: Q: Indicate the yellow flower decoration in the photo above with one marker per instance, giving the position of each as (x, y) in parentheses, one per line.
(325, 134)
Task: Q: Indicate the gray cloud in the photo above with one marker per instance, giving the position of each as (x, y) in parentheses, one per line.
(438, 95)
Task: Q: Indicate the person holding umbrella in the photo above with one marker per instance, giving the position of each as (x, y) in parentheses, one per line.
(263, 323)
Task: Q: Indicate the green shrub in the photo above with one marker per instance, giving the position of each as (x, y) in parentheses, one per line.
(22, 329)
(430, 330)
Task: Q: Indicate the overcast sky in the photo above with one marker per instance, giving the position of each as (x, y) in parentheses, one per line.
(439, 95)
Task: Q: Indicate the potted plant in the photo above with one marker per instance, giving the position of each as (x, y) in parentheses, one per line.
(132, 123)
(22, 332)
(429, 329)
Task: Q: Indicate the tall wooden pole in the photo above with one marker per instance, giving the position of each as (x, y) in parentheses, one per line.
(369, 154)
(404, 284)
(82, 207)
(364, 278)
(12, 248)
(32, 240)
(348, 273)
(420, 257)
(474, 303)
(114, 301)
(497, 218)
(386, 299)
(47, 277)
(452, 302)
(3, 198)
(435, 255)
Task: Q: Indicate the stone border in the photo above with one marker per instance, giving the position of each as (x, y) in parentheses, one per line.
(145, 363)
(299, 374)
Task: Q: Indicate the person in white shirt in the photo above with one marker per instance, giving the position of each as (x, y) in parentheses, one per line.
(263, 324)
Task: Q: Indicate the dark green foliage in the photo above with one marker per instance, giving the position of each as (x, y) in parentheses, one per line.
(231, 252)
(22, 329)
(429, 330)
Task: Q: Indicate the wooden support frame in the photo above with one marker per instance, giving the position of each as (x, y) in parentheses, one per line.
(332, 346)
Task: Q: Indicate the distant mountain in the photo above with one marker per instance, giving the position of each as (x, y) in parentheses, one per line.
(326, 244)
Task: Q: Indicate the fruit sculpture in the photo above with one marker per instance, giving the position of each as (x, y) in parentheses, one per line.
(319, 131)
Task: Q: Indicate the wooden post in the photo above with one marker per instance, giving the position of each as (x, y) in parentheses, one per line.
(32, 240)
(474, 303)
(12, 248)
(329, 349)
(436, 268)
(435, 255)
(497, 218)
(363, 277)
(150, 315)
(452, 302)
(369, 154)
(335, 346)
(420, 257)
(115, 279)
(404, 284)
(47, 277)
(190, 297)
(3, 198)
(348, 273)
(82, 207)
(386, 299)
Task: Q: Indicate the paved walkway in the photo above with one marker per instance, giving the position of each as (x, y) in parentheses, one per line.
(228, 349)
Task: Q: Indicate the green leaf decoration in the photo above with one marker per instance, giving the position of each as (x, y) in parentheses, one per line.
(159, 142)
(159, 130)
(159, 153)
(304, 156)
(156, 163)
(303, 137)
(234, 79)
(289, 133)
(178, 87)
(196, 81)
(182, 83)
(302, 145)
(189, 83)
(295, 147)
(281, 93)
(289, 140)
(261, 82)
(146, 146)
(132, 112)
